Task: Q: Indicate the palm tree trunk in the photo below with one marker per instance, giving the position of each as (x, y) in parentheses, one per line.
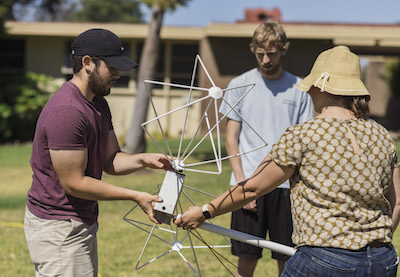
(135, 139)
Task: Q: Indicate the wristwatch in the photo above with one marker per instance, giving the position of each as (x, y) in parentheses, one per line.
(206, 212)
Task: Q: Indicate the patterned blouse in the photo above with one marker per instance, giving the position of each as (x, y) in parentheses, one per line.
(338, 196)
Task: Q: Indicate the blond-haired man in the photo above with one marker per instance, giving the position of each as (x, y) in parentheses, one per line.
(270, 108)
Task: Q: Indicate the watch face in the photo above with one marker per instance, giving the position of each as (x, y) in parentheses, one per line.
(206, 214)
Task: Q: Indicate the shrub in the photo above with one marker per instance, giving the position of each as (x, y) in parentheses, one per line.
(21, 100)
(393, 76)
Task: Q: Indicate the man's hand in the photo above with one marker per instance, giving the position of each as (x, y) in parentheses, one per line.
(146, 201)
(252, 206)
(156, 161)
(121, 163)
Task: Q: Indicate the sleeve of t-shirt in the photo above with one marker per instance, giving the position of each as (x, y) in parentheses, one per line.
(231, 96)
(66, 128)
(306, 108)
(287, 151)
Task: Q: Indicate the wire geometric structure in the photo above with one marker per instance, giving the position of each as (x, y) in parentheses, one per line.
(177, 240)
(180, 157)
(211, 99)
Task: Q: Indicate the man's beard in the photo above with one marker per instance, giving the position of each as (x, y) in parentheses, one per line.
(98, 85)
(269, 71)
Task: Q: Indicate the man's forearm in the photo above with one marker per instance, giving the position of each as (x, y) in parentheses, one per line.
(93, 189)
(237, 169)
(122, 163)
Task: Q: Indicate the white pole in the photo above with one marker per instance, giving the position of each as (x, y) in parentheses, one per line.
(246, 238)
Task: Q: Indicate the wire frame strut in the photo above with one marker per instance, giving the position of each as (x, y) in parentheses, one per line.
(175, 240)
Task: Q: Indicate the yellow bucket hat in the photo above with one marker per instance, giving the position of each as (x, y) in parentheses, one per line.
(336, 71)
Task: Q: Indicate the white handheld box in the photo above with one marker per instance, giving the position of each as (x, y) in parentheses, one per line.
(169, 192)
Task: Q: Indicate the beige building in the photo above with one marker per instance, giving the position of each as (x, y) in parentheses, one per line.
(223, 48)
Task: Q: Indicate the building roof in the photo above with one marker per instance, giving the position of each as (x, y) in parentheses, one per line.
(124, 31)
(348, 34)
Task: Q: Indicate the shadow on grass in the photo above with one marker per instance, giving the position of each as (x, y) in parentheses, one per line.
(14, 202)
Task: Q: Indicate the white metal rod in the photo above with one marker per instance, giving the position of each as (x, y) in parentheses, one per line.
(205, 70)
(174, 110)
(249, 239)
(183, 158)
(175, 85)
(224, 158)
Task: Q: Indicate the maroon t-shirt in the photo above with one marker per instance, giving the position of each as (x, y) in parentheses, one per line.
(68, 121)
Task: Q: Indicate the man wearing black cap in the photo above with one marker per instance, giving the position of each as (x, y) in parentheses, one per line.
(74, 143)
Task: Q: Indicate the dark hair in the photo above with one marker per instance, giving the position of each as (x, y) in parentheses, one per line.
(77, 62)
(357, 104)
(359, 107)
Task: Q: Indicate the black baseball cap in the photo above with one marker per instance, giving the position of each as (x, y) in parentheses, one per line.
(104, 44)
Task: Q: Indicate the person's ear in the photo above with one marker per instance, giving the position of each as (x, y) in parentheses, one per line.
(87, 63)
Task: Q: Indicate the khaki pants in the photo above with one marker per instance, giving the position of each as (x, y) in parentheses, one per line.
(61, 247)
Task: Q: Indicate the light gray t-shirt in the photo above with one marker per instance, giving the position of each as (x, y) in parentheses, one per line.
(269, 108)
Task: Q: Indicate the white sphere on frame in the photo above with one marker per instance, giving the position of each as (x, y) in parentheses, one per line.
(215, 92)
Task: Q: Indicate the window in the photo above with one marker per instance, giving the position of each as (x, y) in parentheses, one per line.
(182, 61)
(12, 56)
(183, 57)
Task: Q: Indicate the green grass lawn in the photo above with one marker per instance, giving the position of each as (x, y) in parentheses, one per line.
(119, 242)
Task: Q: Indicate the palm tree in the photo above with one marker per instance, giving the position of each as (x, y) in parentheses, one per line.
(135, 139)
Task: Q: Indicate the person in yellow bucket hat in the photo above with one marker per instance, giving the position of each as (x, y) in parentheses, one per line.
(336, 71)
(344, 177)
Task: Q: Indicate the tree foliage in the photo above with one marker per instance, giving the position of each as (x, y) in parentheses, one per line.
(38, 10)
(21, 100)
(166, 5)
(3, 11)
(7, 12)
(122, 11)
(393, 73)
(6, 9)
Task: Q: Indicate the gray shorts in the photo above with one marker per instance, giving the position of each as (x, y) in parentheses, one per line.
(61, 247)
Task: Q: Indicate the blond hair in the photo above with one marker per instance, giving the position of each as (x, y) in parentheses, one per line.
(270, 32)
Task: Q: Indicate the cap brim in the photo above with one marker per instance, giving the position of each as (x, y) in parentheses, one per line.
(122, 62)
